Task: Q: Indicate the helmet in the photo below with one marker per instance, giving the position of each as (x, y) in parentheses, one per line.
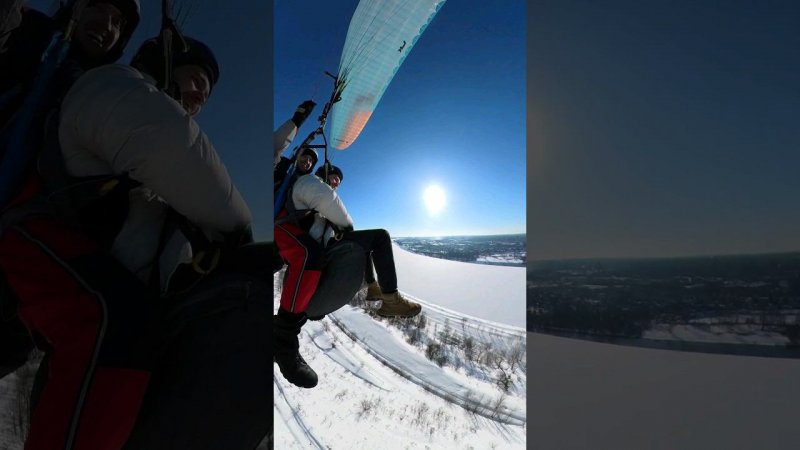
(331, 171)
(149, 58)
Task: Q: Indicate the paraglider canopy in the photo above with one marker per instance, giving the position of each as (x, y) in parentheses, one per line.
(380, 36)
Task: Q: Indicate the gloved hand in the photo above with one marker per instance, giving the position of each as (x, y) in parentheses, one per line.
(302, 112)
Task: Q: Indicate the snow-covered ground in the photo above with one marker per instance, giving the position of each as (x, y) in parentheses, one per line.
(378, 389)
(590, 395)
(14, 407)
(487, 292)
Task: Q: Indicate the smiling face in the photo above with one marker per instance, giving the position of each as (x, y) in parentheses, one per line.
(305, 163)
(194, 85)
(334, 181)
(99, 29)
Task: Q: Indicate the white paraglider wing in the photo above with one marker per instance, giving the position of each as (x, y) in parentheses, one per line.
(380, 36)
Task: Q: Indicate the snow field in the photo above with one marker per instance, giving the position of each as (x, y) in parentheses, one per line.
(381, 385)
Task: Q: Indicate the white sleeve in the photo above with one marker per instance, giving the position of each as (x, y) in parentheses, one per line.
(282, 138)
(139, 130)
(311, 192)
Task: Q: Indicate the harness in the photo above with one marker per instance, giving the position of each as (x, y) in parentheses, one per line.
(303, 218)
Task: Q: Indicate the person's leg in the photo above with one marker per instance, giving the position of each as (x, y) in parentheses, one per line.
(342, 277)
(303, 257)
(91, 312)
(211, 383)
(373, 296)
(380, 244)
(369, 269)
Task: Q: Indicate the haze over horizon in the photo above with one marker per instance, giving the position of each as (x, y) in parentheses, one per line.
(663, 130)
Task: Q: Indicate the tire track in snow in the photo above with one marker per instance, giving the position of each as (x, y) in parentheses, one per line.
(382, 345)
(342, 356)
(302, 433)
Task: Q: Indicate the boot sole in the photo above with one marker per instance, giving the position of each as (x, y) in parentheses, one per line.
(304, 386)
(309, 386)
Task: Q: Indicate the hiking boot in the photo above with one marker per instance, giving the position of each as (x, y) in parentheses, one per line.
(286, 348)
(296, 370)
(374, 298)
(395, 305)
(374, 291)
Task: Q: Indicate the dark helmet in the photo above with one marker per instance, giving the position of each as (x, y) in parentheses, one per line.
(331, 171)
(130, 10)
(312, 152)
(150, 56)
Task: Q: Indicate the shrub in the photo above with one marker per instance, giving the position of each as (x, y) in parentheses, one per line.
(435, 352)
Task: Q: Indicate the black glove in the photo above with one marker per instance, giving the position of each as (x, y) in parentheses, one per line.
(302, 112)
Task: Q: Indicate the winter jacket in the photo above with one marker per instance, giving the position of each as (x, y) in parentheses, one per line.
(114, 120)
(310, 192)
(282, 137)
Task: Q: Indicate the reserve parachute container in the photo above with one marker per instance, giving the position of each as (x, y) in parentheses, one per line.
(380, 36)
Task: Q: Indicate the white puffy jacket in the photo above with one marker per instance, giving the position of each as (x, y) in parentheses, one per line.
(310, 192)
(114, 120)
(281, 139)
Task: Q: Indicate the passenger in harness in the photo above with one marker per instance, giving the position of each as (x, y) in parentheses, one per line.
(129, 350)
(101, 34)
(347, 260)
(377, 248)
(303, 257)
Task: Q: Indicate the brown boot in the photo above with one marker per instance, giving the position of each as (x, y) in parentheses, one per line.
(374, 291)
(374, 297)
(395, 305)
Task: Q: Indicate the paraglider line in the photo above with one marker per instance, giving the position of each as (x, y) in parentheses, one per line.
(280, 197)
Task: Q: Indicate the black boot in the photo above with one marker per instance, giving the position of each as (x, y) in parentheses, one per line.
(286, 349)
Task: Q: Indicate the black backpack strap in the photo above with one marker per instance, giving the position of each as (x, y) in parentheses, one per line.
(303, 218)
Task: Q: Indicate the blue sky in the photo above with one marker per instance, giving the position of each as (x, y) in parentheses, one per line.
(238, 115)
(454, 116)
(663, 128)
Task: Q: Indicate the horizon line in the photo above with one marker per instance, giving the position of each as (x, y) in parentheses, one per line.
(456, 235)
(702, 255)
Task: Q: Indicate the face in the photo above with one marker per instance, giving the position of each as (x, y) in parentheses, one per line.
(305, 162)
(334, 181)
(194, 85)
(99, 29)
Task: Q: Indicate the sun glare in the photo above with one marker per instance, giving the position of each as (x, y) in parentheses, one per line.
(434, 199)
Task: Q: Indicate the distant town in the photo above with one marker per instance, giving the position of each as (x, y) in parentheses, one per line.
(502, 250)
(749, 300)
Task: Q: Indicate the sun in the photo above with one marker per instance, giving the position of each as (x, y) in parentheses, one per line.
(434, 199)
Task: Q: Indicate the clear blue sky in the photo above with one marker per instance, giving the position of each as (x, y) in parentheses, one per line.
(663, 128)
(454, 115)
(238, 116)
